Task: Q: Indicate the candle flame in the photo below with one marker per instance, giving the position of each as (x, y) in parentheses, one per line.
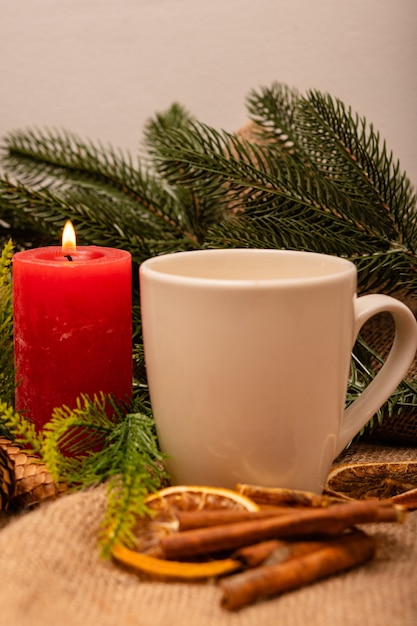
(68, 238)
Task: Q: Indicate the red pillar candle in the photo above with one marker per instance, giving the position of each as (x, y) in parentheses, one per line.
(72, 326)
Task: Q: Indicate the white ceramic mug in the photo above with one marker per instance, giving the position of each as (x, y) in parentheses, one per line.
(248, 355)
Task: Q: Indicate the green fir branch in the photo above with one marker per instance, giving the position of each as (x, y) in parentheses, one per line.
(348, 151)
(137, 471)
(362, 372)
(19, 429)
(247, 176)
(341, 146)
(7, 383)
(388, 271)
(71, 434)
(200, 210)
(61, 161)
(39, 213)
(128, 459)
(273, 109)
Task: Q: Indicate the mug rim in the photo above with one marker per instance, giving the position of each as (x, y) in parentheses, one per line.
(156, 266)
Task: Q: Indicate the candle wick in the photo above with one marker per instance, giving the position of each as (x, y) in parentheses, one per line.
(68, 256)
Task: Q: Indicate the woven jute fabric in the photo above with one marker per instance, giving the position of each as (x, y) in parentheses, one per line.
(51, 574)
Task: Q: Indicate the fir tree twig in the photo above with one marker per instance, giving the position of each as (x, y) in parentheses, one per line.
(7, 383)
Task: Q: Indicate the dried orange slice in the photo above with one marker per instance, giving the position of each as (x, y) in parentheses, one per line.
(192, 498)
(396, 481)
(166, 503)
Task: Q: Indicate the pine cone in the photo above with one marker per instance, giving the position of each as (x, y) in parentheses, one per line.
(32, 481)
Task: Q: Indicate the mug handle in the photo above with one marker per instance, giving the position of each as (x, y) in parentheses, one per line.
(393, 371)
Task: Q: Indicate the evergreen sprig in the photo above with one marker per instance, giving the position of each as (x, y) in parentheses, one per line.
(86, 446)
(7, 384)
(361, 166)
(136, 470)
(99, 442)
(20, 429)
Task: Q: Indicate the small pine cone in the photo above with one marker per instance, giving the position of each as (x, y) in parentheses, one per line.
(33, 482)
(7, 479)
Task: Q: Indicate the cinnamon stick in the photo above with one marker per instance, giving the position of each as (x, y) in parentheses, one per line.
(389, 511)
(188, 520)
(323, 522)
(251, 556)
(278, 496)
(330, 557)
(274, 551)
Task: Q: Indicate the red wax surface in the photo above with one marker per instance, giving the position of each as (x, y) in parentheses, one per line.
(72, 327)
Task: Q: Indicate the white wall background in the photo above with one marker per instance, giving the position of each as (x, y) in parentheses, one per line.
(100, 68)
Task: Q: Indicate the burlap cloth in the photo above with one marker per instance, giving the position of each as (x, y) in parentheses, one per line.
(51, 573)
